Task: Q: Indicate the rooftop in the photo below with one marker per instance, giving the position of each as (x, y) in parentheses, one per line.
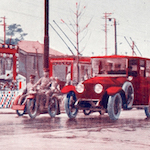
(32, 46)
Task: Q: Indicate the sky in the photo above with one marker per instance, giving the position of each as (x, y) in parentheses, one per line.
(132, 19)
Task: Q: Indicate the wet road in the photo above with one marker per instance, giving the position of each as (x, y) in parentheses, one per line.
(93, 132)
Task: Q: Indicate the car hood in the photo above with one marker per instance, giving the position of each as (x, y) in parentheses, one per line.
(117, 81)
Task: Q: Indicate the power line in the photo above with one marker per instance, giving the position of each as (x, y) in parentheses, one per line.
(65, 34)
(61, 39)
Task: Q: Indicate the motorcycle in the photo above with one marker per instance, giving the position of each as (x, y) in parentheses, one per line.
(29, 105)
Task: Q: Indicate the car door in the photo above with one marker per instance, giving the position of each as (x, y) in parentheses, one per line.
(143, 82)
(148, 78)
(136, 69)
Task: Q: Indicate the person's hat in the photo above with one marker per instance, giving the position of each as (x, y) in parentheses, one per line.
(46, 69)
(32, 76)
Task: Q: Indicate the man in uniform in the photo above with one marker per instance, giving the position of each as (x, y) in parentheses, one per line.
(44, 87)
(27, 89)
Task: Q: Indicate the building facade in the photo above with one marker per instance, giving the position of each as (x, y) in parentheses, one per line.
(31, 58)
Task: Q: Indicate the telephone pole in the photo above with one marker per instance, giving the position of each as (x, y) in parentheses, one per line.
(46, 36)
(77, 41)
(106, 15)
(115, 30)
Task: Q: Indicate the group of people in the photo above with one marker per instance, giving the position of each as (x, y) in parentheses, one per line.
(45, 87)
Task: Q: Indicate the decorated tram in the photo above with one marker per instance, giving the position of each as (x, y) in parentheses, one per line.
(11, 83)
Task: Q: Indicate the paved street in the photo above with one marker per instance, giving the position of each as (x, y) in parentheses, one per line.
(93, 132)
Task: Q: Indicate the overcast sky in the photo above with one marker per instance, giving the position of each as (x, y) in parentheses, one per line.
(132, 18)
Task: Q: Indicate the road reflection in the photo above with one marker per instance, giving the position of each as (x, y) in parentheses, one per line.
(48, 124)
(43, 123)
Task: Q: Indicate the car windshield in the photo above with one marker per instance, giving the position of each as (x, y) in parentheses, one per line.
(109, 66)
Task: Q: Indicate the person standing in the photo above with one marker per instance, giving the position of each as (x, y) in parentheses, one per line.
(68, 78)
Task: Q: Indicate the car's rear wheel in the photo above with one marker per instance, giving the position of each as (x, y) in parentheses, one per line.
(70, 108)
(129, 93)
(86, 112)
(32, 108)
(114, 106)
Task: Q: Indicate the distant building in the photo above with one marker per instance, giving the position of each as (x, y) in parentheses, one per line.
(31, 62)
(31, 58)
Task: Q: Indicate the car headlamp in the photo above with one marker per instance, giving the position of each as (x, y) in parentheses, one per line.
(98, 88)
(80, 88)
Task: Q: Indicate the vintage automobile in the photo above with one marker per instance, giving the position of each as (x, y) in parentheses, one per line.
(118, 82)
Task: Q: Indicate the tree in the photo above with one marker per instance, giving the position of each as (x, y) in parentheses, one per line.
(15, 34)
(76, 29)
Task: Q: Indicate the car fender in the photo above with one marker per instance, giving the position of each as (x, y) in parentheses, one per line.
(68, 88)
(113, 90)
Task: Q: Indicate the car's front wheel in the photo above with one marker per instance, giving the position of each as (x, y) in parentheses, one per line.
(70, 108)
(114, 106)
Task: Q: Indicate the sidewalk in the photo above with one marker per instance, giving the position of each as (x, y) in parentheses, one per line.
(7, 111)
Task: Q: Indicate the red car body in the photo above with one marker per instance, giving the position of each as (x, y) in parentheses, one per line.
(125, 85)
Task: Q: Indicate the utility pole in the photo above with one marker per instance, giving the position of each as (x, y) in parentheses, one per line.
(46, 36)
(133, 48)
(115, 30)
(4, 24)
(115, 34)
(106, 15)
(136, 47)
(77, 41)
